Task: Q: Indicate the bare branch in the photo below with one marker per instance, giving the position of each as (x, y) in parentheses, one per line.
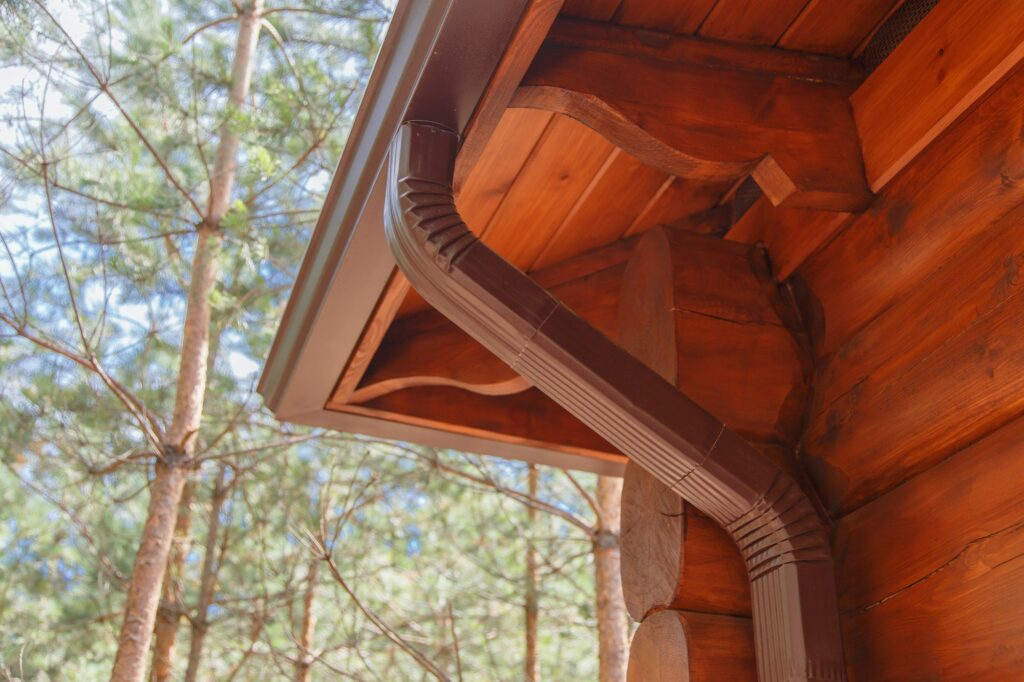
(319, 550)
(104, 86)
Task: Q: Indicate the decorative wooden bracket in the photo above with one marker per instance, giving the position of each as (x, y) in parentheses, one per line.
(775, 526)
(709, 110)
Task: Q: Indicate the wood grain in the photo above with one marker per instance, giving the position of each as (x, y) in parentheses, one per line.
(596, 218)
(950, 194)
(789, 234)
(933, 519)
(675, 557)
(742, 21)
(963, 623)
(664, 15)
(521, 49)
(958, 52)
(985, 273)
(836, 27)
(545, 191)
(671, 646)
(795, 136)
(383, 315)
(892, 427)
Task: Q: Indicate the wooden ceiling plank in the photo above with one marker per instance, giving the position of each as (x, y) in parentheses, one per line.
(957, 54)
(615, 199)
(835, 27)
(664, 15)
(584, 199)
(795, 136)
(758, 23)
(515, 141)
(592, 10)
(528, 36)
(545, 191)
(676, 199)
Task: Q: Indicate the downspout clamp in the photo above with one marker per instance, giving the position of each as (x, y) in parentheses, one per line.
(777, 529)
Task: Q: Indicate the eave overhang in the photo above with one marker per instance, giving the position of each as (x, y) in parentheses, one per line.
(435, 63)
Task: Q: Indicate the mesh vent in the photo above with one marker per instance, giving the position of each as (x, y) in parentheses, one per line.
(899, 24)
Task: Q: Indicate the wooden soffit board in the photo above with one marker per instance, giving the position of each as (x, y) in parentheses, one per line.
(562, 196)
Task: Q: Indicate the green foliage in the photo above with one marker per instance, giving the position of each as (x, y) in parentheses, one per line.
(106, 190)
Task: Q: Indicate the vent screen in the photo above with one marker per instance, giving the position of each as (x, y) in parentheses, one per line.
(891, 33)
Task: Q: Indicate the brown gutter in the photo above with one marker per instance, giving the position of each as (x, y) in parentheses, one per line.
(776, 527)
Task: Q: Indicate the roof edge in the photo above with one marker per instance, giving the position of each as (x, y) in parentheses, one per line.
(435, 63)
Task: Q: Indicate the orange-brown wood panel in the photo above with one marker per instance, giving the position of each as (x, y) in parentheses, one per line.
(836, 27)
(683, 646)
(383, 315)
(948, 62)
(545, 190)
(906, 537)
(985, 274)
(963, 623)
(594, 10)
(514, 140)
(748, 375)
(527, 417)
(676, 198)
(743, 21)
(891, 427)
(533, 26)
(664, 15)
(735, 351)
(431, 350)
(953, 192)
(605, 210)
(795, 136)
(789, 234)
(675, 557)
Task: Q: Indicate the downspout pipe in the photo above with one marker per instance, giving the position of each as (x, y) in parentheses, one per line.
(777, 529)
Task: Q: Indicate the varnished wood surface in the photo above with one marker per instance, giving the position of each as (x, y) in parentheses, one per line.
(683, 646)
(533, 26)
(795, 135)
(958, 52)
(675, 557)
(834, 27)
(789, 234)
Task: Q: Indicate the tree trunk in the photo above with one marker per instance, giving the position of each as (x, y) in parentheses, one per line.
(305, 660)
(208, 579)
(532, 663)
(179, 441)
(612, 620)
(168, 615)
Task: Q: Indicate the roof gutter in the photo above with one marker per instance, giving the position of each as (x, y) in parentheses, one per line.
(434, 64)
(774, 524)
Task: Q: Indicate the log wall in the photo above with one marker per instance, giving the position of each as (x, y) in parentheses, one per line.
(914, 431)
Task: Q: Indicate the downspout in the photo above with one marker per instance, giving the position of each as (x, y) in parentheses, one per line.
(777, 529)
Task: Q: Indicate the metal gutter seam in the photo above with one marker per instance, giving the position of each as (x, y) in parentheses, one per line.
(774, 524)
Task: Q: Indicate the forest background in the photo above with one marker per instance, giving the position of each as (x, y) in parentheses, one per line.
(162, 165)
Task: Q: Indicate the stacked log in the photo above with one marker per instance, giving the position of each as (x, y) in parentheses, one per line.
(705, 314)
